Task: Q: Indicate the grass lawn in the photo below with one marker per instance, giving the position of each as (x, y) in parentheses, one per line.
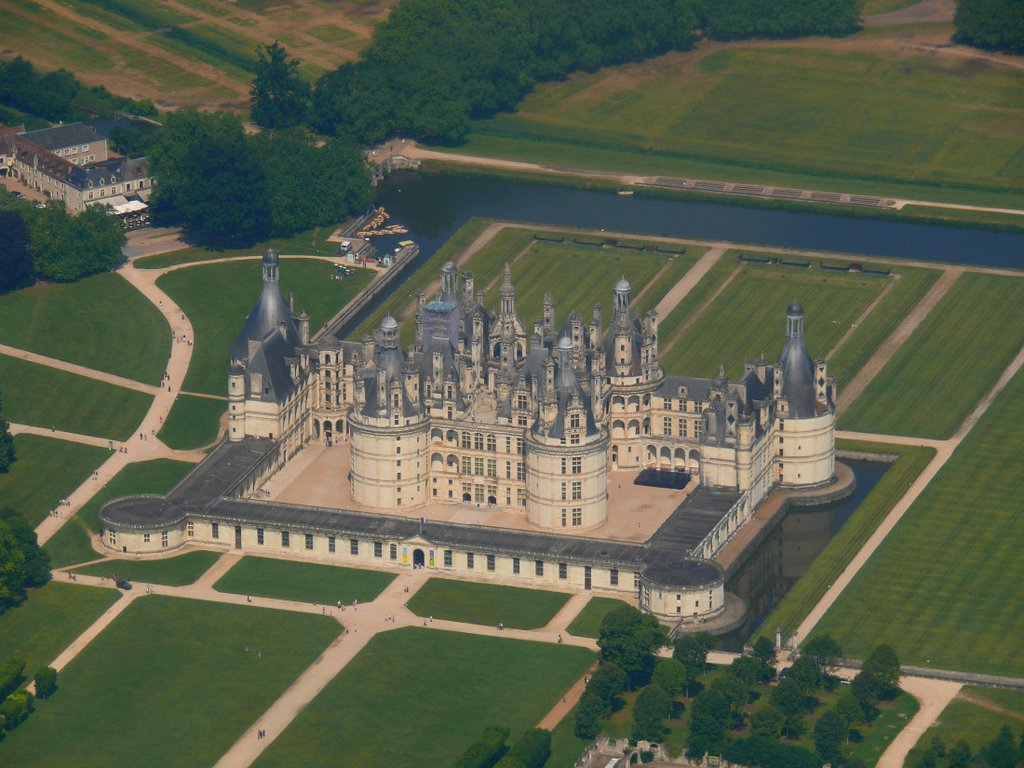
(895, 121)
(192, 423)
(45, 472)
(427, 272)
(167, 667)
(669, 326)
(893, 717)
(312, 242)
(953, 358)
(946, 586)
(44, 397)
(973, 722)
(307, 582)
(156, 476)
(841, 548)
(71, 545)
(750, 316)
(588, 622)
(45, 624)
(488, 604)
(218, 297)
(114, 329)
(435, 690)
(172, 571)
(566, 746)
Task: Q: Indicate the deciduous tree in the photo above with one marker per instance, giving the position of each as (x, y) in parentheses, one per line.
(280, 97)
(829, 734)
(630, 639)
(650, 711)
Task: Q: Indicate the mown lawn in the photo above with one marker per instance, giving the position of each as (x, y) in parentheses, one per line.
(163, 668)
(49, 397)
(100, 322)
(172, 571)
(946, 586)
(488, 604)
(882, 120)
(156, 476)
(312, 242)
(842, 547)
(965, 720)
(750, 316)
(953, 358)
(45, 624)
(307, 582)
(588, 621)
(45, 472)
(70, 545)
(435, 691)
(218, 298)
(192, 423)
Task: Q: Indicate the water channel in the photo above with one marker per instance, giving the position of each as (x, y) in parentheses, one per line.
(434, 206)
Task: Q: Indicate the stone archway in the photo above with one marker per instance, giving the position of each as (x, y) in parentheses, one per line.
(418, 558)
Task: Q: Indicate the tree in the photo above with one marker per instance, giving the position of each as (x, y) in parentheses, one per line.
(531, 750)
(46, 682)
(37, 559)
(885, 666)
(12, 569)
(692, 652)
(650, 711)
(15, 708)
(825, 650)
(1002, 751)
(588, 715)
(806, 673)
(208, 179)
(849, 709)
(764, 651)
(7, 452)
(992, 24)
(66, 248)
(280, 97)
(708, 719)
(789, 698)
(670, 674)
(749, 670)
(486, 750)
(767, 721)
(735, 691)
(829, 734)
(630, 639)
(15, 258)
(960, 755)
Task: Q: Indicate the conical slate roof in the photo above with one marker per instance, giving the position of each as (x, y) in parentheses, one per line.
(269, 312)
(797, 367)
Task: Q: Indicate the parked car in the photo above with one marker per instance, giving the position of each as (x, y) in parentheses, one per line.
(123, 584)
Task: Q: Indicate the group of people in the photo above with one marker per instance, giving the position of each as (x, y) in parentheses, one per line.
(61, 503)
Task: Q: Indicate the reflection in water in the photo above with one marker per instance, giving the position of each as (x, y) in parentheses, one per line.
(784, 556)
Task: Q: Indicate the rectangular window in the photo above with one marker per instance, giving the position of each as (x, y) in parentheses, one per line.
(490, 562)
(467, 465)
(112, 538)
(190, 529)
(508, 470)
(519, 446)
(285, 539)
(478, 494)
(574, 438)
(515, 565)
(636, 581)
(331, 544)
(309, 541)
(353, 546)
(521, 497)
(682, 428)
(469, 560)
(574, 421)
(668, 405)
(577, 489)
(393, 551)
(467, 440)
(447, 558)
(378, 549)
(492, 468)
(215, 530)
(520, 471)
(564, 497)
(508, 445)
(145, 538)
(478, 466)
(577, 464)
(613, 577)
(698, 428)
(563, 571)
(492, 443)
(577, 516)
(259, 536)
(666, 426)
(163, 539)
(563, 518)
(564, 463)
(538, 568)
(478, 442)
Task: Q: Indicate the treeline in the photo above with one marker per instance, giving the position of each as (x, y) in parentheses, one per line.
(436, 64)
(996, 25)
(23, 563)
(231, 189)
(48, 244)
(56, 96)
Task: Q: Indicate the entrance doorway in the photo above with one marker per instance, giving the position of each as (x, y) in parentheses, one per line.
(328, 434)
(418, 560)
(586, 577)
(238, 537)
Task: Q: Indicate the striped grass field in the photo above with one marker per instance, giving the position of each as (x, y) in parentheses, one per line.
(953, 358)
(946, 586)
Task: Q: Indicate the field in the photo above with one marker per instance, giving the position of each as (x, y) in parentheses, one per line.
(205, 49)
(192, 423)
(968, 720)
(307, 582)
(588, 622)
(308, 243)
(487, 604)
(65, 321)
(151, 669)
(156, 476)
(435, 691)
(953, 358)
(841, 548)
(45, 624)
(750, 315)
(49, 397)
(172, 571)
(867, 113)
(218, 297)
(45, 472)
(946, 586)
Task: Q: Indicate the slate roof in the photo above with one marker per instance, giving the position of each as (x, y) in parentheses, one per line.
(60, 136)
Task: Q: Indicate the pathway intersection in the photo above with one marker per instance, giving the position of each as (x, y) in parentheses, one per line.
(361, 626)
